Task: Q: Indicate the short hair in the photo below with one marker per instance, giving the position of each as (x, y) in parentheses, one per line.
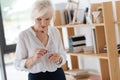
(40, 7)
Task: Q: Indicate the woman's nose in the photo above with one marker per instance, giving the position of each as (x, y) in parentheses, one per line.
(43, 22)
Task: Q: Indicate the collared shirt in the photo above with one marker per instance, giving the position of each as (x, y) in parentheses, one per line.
(27, 44)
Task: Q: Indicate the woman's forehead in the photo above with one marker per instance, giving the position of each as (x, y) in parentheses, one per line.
(46, 15)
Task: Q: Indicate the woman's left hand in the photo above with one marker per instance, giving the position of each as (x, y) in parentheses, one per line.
(55, 57)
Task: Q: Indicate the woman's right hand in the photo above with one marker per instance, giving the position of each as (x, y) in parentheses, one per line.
(39, 52)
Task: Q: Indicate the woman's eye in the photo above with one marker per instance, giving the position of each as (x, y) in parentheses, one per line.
(48, 19)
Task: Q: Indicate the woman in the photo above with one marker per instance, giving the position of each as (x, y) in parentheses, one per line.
(39, 48)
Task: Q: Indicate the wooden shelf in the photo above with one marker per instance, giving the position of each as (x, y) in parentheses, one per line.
(98, 55)
(74, 25)
(100, 24)
(90, 77)
(80, 25)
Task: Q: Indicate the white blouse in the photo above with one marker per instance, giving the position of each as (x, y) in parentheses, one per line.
(27, 44)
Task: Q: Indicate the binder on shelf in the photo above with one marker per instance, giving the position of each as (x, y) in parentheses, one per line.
(76, 43)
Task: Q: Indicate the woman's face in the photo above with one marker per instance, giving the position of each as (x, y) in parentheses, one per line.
(42, 23)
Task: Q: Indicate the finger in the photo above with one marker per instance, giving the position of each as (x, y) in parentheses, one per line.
(53, 58)
(43, 50)
(50, 56)
(56, 55)
(41, 54)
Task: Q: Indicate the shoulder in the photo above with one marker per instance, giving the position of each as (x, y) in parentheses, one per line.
(24, 33)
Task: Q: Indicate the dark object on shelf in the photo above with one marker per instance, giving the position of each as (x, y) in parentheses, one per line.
(85, 14)
(68, 16)
(118, 47)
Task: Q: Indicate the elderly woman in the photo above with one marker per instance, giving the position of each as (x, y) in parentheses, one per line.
(39, 48)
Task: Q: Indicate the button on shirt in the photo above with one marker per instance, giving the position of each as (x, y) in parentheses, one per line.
(28, 43)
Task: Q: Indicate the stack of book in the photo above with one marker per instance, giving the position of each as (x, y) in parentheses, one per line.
(76, 43)
(77, 73)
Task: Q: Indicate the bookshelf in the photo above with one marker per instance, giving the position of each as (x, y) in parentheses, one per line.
(105, 35)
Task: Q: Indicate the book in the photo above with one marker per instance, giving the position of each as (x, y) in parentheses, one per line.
(94, 40)
(68, 14)
(78, 73)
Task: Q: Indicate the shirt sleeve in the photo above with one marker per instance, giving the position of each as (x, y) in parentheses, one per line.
(61, 49)
(20, 53)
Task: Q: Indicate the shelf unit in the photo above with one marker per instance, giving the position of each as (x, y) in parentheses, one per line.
(105, 35)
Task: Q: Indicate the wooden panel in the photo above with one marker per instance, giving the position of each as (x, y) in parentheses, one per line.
(57, 21)
(74, 59)
(104, 69)
(118, 15)
(100, 38)
(70, 31)
(60, 30)
(118, 10)
(94, 7)
(113, 61)
(65, 66)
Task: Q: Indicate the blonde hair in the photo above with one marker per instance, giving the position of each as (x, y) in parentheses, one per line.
(40, 7)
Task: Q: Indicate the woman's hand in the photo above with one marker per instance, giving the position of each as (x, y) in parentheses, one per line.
(56, 58)
(39, 52)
